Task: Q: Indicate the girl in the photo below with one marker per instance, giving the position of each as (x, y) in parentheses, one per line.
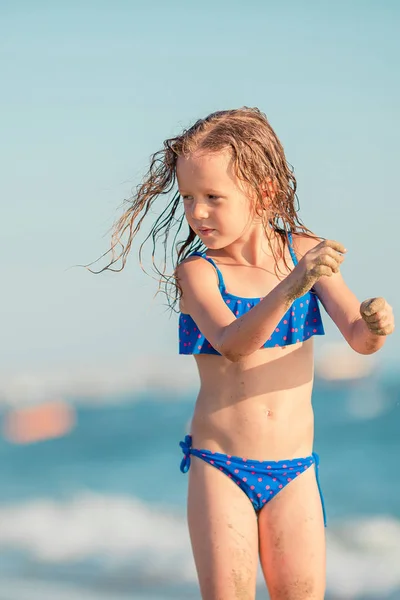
(249, 277)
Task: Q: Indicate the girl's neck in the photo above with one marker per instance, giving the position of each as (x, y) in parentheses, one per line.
(251, 249)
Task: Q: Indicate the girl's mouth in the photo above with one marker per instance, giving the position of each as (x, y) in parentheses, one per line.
(205, 231)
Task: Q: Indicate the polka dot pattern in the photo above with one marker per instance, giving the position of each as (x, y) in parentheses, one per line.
(260, 480)
(299, 323)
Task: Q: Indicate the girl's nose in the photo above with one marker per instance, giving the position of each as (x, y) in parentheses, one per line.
(199, 211)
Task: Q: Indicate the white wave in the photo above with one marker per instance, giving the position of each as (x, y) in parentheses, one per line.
(118, 529)
(364, 557)
(32, 589)
(363, 554)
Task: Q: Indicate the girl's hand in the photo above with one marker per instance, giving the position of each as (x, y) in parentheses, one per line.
(321, 261)
(378, 315)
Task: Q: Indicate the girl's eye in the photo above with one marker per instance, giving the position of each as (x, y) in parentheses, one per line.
(209, 196)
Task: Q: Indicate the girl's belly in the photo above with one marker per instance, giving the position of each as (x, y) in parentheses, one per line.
(257, 408)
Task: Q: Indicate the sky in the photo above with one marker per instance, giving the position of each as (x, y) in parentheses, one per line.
(91, 89)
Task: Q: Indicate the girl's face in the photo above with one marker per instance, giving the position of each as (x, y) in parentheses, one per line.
(216, 208)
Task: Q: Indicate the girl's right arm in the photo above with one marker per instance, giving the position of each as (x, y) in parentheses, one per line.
(234, 337)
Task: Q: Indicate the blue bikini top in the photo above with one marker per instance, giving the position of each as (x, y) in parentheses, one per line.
(299, 323)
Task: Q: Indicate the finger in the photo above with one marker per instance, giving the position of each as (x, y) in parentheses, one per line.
(384, 322)
(375, 325)
(383, 330)
(339, 258)
(328, 261)
(374, 318)
(323, 249)
(372, 305)
(335, 245)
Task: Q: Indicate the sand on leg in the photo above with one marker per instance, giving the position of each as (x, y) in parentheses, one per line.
(224, 535)
(292, 541)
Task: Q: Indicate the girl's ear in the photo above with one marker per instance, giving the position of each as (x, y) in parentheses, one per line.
(269, 188)
(268, 192)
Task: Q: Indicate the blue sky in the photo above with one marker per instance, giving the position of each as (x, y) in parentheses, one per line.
(91, 89)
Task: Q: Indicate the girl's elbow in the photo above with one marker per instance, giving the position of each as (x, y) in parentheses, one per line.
(230, 349)
(228, 353)
(231, 353)
(233, 356)
(364, 351)
(361, 340)
(367, 346)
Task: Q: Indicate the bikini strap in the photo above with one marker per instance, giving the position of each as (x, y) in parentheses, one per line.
(221, 282)
(316, 459)
(291, 249)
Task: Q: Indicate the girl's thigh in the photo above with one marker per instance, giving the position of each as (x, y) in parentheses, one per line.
(224, 535)
(292, 541)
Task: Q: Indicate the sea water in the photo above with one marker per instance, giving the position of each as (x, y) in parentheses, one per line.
(100, 513)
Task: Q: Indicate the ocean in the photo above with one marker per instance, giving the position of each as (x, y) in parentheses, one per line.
(100, 513)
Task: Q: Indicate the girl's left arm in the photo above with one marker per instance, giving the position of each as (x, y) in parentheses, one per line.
(363, 325)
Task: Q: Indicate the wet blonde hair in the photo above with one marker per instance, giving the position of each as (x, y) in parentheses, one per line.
(258, 157)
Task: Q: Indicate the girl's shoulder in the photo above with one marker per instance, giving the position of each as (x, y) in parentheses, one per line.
(197, 278)
(197, 269)
(190, 264)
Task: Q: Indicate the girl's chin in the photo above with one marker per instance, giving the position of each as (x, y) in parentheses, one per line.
(213, 245)
(212, 241)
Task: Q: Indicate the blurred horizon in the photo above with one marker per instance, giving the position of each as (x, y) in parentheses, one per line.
(95, 382)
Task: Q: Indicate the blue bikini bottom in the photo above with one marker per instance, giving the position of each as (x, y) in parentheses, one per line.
(260, 480)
